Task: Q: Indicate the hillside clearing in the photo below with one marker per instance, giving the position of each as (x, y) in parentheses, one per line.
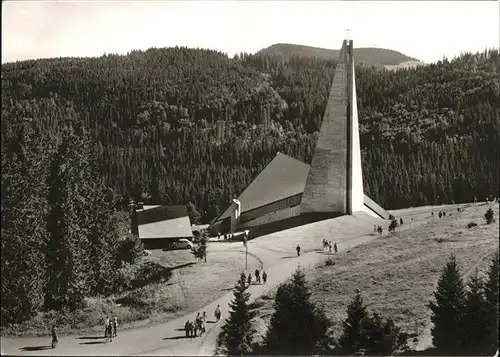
(397, 273)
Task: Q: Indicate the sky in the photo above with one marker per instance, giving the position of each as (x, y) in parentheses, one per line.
(425, 30)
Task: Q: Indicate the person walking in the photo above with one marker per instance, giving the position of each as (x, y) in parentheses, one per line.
(106, 323)
(298, 250)
(218, 313)
(264, 277)
(115, 324)
(204, 320)
(257, 276)
(335, 248)
(187, 328)
(330, 246)
(249, 279)
(109, 332)
(54, 337)
(401, 221)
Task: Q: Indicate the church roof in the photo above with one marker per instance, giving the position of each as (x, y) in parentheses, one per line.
(283, 177)
(163, 222)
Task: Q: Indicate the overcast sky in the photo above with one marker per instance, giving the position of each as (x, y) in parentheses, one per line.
(425, 30)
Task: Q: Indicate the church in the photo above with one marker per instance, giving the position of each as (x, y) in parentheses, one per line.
(288, 192)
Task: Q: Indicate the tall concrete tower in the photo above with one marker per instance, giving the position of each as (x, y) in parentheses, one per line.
(335, 182)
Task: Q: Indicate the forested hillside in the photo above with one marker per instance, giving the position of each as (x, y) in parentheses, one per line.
(182, 125)
(367, 55)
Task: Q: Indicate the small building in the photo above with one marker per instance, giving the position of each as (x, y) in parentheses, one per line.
(159, 226)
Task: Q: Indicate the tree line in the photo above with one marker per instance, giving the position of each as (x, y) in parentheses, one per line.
(64, 235)
(179, 125)
(465, 321)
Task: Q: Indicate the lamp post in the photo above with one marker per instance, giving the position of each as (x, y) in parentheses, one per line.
(245, 242)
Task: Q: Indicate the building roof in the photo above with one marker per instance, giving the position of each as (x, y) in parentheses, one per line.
(283, 177)
(163, 222)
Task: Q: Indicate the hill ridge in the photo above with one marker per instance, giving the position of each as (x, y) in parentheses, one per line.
(368, 55)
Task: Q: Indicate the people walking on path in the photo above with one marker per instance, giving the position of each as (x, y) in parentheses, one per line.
(264, 277)
(218, 313)
(187, 328)
(109, 332)
(335, 248)
(54, 337)
(257, 276)
(115, 324)
(401, 221)
(330, 246)
(204, 320)
(298, 250)
(106, 323)
(249, 279)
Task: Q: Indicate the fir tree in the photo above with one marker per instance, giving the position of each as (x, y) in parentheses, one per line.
(491, 294)
(297, 326)
(475, 319)
(448, 308)
(383, 337)
(236, 337)
(353, 335)
(200, 245)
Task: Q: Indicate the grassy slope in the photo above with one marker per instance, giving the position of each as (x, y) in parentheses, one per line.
(397, 274)
(375, 56)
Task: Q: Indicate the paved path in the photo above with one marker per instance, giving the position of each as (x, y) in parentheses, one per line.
(168, 338)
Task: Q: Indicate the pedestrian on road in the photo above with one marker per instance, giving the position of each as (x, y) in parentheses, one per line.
(374, 228)
(264, 276)
(401, 221)
(257, 276)
(218, 236)
(204, 320)
(54, 337)
(187, 328)
(106, 323)
(217, 313)
(335, 248)
(115, 324)
(109, 332)
(330, 246)
(249, 279)
(298, 250)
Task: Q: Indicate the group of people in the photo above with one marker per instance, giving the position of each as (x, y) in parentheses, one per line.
(192, 328)
(327, 245)
(110, 328)
(378, 229)
(199, 324)
(257, 277)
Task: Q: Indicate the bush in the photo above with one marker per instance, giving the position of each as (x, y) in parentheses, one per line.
(471, 225)
(488, 216)
(329, 262)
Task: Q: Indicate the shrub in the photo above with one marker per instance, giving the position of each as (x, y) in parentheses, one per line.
(329, 262)
(488, 216)
(471, 225)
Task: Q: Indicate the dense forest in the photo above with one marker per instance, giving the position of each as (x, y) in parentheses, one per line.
(179, 125)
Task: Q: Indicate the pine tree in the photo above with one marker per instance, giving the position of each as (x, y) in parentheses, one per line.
(297, 326)
(491, 294)
(448, 308)
(383, 337)
(67, 250)
(475, 319)
(24, 209)
(236, 337)
(200, 248)
(353, 335)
